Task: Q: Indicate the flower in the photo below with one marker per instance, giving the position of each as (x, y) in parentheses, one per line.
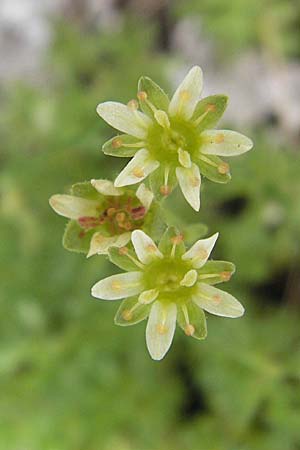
(168, 283)
(103, 215)
(172, 140)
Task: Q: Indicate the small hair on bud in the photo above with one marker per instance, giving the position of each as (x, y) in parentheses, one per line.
(165, 190)
(223, 168)
(142, 95)
(189, 330)
(133, 104)
(117, 142)
(127, 314)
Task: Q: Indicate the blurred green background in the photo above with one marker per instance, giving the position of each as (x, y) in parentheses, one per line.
(72, 380)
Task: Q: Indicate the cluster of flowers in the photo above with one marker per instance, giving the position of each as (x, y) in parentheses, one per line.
(171, 142)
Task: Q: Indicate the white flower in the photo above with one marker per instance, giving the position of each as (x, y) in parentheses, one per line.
(168, 284)
(173, 137)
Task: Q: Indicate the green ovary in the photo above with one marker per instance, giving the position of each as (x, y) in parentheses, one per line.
(163, 144)
(165, 275)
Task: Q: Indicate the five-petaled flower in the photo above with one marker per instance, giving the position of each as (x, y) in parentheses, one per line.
(103, 215)
(168, 283)
(172, 140)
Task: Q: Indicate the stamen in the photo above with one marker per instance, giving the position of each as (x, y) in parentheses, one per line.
(175, 241)
(111, 211)
(142, 96)
(208, 161)
(189, 329)
(124, 251)
(165, 190)
(120, 217)
(223, 168)
(200, 118)
(134, 144)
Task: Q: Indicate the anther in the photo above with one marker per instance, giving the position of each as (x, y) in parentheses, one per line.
(189, 330)
(117, 142)
(223, 168)
(133, 105)
(165, 190)
(138, 172)
(142, 95)
(127, 314)
(127, 226)
(225, 276)
(177, 239)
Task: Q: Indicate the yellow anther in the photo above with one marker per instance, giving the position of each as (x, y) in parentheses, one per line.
(127, 314)
(161, 329)
(219, 138)
(120, 217)
(210, 107)
(217, 299)
(138, 172)
(165, 190)
(203, 254)
(117, 142)
(142, 95)
(189, 330)
(133, 105)
(225, 276)
(195, 181)
(177, 239)
(185, 96)
(116, 285)
(111, 212)
(223, 168)
(123, 250)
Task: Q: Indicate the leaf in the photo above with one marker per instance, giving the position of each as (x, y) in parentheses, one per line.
(115, 147)
(211, 109)
(155, 95)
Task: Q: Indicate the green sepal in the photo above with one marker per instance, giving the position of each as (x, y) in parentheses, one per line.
(210, 120)
(211, 172)
(196, 318)
(76, 239)
(155, 94)
(121, 260)
(218, 268)
(154, 224)
(85, 190)
(157, 179)
(140, 313)
(122, 151)
(194, 231)
(166, 243)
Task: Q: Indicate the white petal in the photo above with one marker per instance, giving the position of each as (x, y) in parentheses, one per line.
(200, 251)
(189, 278)
(137, 169)
(118, 286)
(106, 187)
(187, 95)
(160, 329)
(144, 195)
(144, 247)
(190, 182)
(217, 302)
(100, 244)
(124, 118)
(224, 143)
(73, 207)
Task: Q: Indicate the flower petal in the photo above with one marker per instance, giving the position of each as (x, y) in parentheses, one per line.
(144, 195)
(73, 207)
(100, 244)
(160, 329)
(190, 182)
(118, 286)
(224, 143)
(137, 169)
(124, 118)
(217, 302)
(187, 94)
(144, 247)
(192, 320)
(106, 187)
(200, 251)
(131, 312)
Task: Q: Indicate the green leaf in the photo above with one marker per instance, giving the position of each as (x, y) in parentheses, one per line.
(85, 190)
(167, 242)
(211, 109)
(196, 318)
(122, 260)
(131, 312)
(155, 95)
(76, 239)
(222, 271)
(115, 147)
(209, 169)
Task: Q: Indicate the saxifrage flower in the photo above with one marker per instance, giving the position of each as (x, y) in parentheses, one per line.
(168, 283)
